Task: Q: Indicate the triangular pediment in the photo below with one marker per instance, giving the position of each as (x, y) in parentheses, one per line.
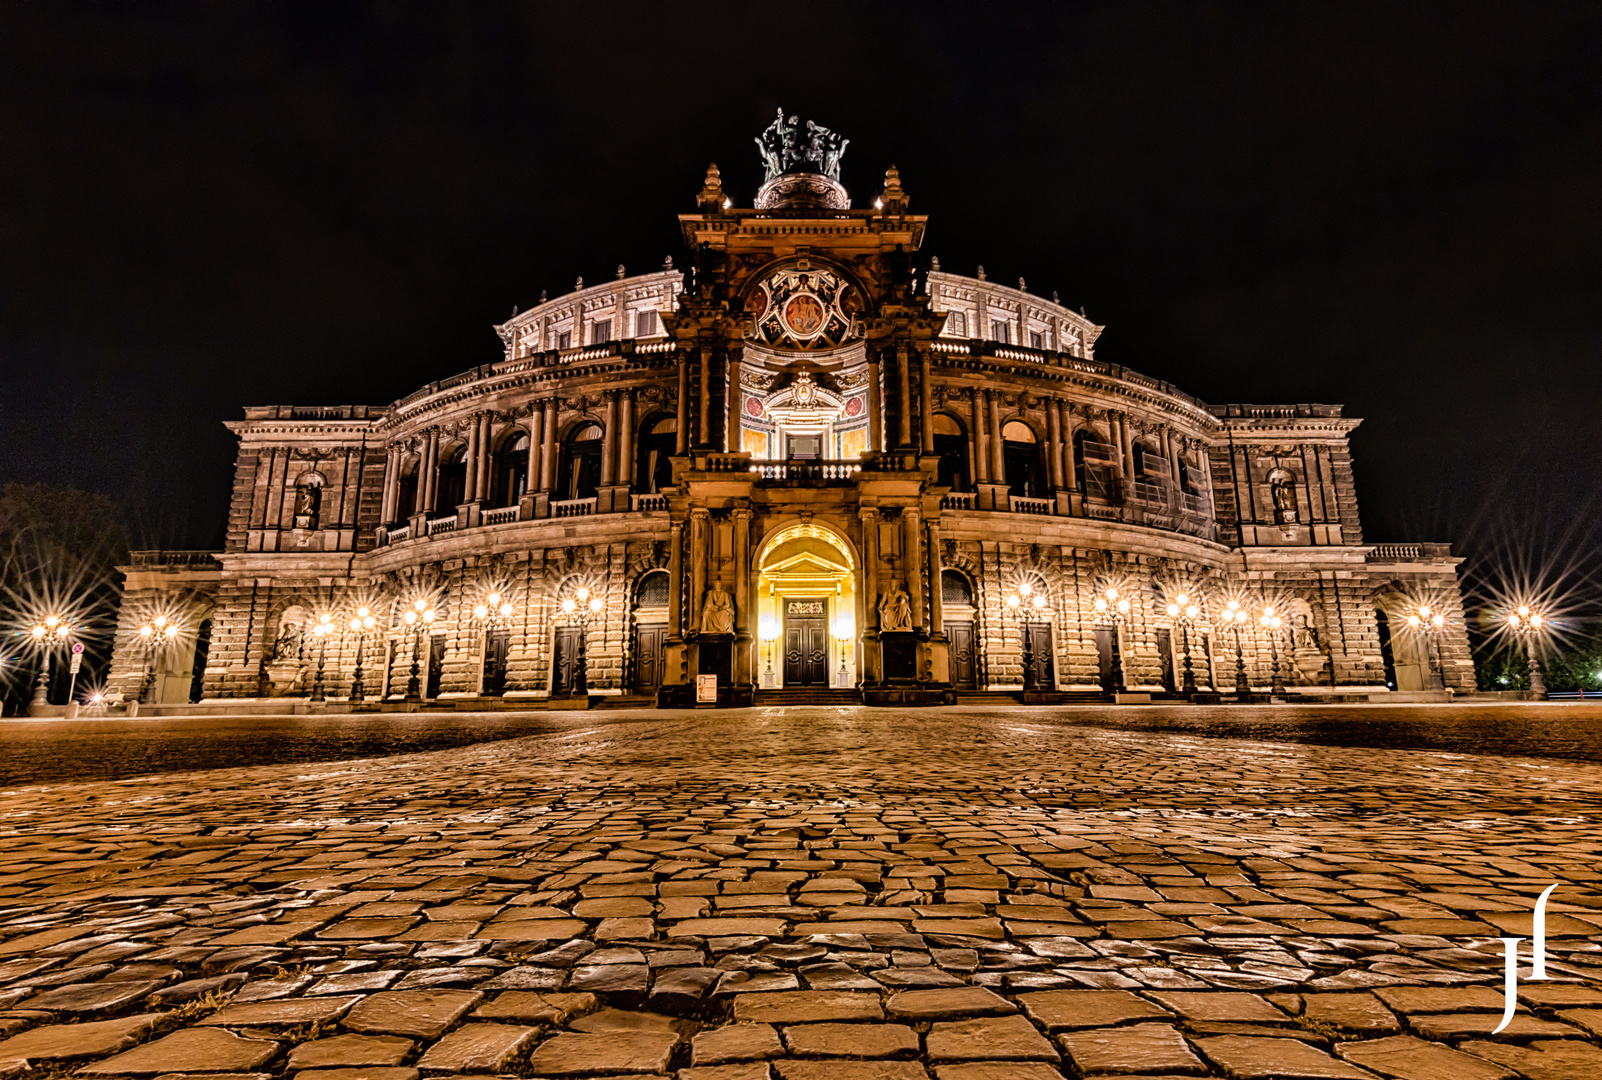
(806, 564)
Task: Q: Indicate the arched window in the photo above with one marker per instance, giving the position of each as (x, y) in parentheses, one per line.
(581, 463)
(652, 590)
(452, 481)
(955, 589)
(1151, 473)
(1282, 490)
(1093, 466)
(951, 443)
(1021, 457)
(653, 464)
(511, 472)
(308, 500)
(406, 501)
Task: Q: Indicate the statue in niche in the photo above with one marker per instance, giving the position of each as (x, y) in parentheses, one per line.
(895, 610)
(308, 500)
(1282, 489)
(717, 617)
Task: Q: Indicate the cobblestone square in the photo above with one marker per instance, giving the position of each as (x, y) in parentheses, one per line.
(798, 893)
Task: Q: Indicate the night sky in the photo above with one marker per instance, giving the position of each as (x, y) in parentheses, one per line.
(1399, 208)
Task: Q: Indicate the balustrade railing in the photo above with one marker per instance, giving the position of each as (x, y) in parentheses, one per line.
(399, 533)
(499, 516)
(957, 500)
(573, 508)
(1022, 504)
(440, 525)
(1398, 551)
(655, 501)
(806, 469)
(165, 557)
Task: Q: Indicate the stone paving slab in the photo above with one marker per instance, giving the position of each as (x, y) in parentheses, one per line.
(808, 895)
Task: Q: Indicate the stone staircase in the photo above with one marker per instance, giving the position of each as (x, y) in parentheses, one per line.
(807, 695)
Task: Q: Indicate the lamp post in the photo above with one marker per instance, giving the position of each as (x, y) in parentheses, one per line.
(1183, 611)
(768, 631)
(49, 632)
(322, 628)
(1272, 621)
(156, 633)
(1528, 625)
(845, 625)
(416, 617)
(1235, 616)
(1115, 609)
(579, 608)
(1429, 623)
(1020, 602)
(361, 624)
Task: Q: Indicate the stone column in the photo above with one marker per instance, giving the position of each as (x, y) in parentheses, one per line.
(548, 447)
(703, 429)
(925, 401)
(872, 662)
(625, 440)
(998, 459)
(675, 580)
(937, 611)
(681, 437)
(977, 428)
(875, 405)
(1054, 443)
(608, 438)
(391, 481)
(742, 673)
(534, 438)
(481, 490)
(699, 552)
(912, 545)
(469, 488)
(903, 398)
(731, 437)
(430, 470)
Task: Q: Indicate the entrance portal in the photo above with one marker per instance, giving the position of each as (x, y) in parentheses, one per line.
(806, 643)
(806, 594)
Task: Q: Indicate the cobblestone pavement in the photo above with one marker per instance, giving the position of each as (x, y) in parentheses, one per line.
(798, 894)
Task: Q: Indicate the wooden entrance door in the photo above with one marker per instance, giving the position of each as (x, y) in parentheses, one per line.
(964, 671)
(1042, 672)
(1165, 656)
(436, 664)
(496, 645)
(564, 665)
(648, 656)
(806, 643)
(1106, 648)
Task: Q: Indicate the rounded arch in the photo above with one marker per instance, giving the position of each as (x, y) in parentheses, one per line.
(654, 447)
(650, 590)
(759, 276)
(509, 467)
(796, 529)
(956, 452)
(451, 487)
(579, 476)
(956, 588)
(1024, 470)
(308, 499)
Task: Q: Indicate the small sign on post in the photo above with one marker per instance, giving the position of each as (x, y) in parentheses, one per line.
(706, 689)
(77, 662)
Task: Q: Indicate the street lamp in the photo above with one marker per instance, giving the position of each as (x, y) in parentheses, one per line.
(47, 633)
(1272, 622)
(1528, 625)
(416, 617)
(362, 623)
(579, 608)
(156, 633)
(1115, 609)
(845, 625)
(768, 631)
(1429, 623)
(1020, 603)
(321, 629)
(1183, 610)
(1235, 616)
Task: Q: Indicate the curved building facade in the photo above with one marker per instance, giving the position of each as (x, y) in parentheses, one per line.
(808, 462)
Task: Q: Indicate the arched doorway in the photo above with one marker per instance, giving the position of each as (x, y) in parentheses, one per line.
(1402, 651)
(651, 600)
(807, 622)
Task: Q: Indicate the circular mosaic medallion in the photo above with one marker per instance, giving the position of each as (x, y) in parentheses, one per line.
(854, 407)
(803, 315)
